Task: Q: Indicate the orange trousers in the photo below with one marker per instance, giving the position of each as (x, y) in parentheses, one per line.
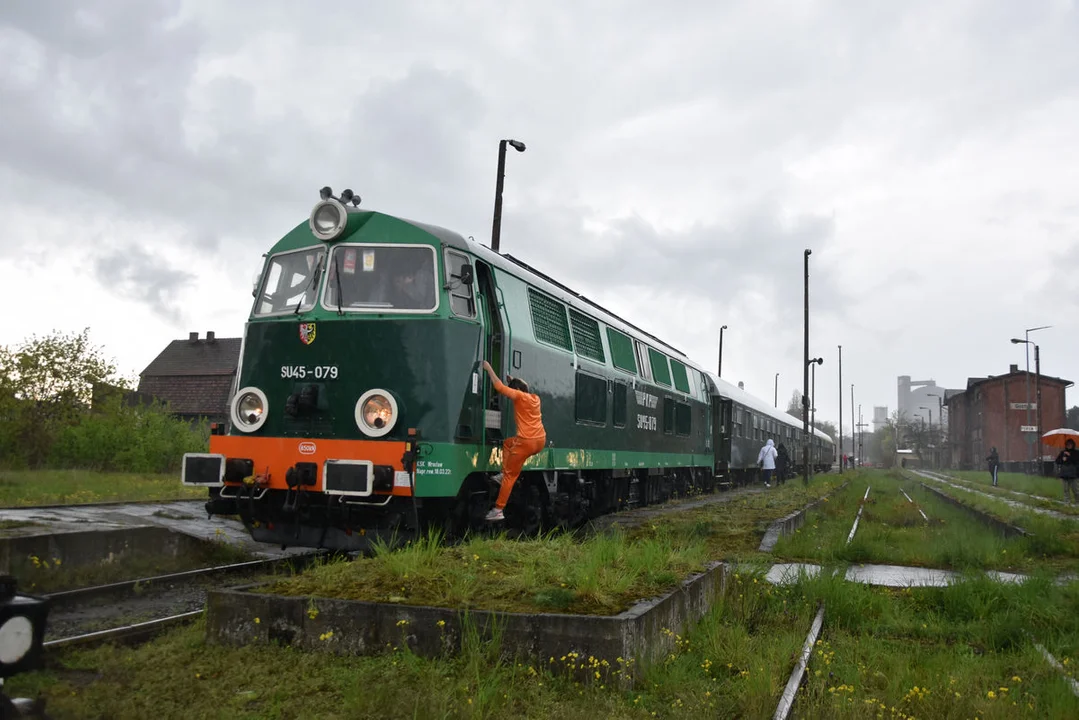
(515, 451)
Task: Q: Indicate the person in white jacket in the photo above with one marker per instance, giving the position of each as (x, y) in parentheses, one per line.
(766, 461)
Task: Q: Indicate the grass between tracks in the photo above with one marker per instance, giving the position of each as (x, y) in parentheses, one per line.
(954, 652)
(959, 651)
(601, 575)
(892, 531)
(47, 575)
(1046, 487)
(75, 487)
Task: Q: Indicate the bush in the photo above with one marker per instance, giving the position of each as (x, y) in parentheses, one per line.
(128, 439)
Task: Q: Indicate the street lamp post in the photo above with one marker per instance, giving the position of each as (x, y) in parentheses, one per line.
(496, 226)
(840, 456)
(940, 425)
(1038, 400)
(929, 435)
(813, 397)
(853, 447)
(805, 378)
(776, 400)
(719, 370)
(1016, 341)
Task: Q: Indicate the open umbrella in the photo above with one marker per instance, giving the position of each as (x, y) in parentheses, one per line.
(1057, 438)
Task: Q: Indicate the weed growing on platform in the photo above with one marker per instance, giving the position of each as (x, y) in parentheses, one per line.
(603, 574)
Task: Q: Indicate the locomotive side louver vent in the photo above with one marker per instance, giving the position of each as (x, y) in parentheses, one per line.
(586, 336)
(549, 320)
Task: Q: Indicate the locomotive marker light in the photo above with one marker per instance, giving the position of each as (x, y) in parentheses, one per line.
(376, 412)
(249, 409)
(330, 216)
(22, 628)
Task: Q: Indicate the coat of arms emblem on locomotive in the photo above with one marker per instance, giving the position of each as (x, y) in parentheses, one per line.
(307, 333)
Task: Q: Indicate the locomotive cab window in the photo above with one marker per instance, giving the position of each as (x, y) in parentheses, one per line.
(642, 361)
(461, 300)
(381, 278)
(291, 280)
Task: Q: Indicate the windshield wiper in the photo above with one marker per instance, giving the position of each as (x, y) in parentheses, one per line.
(340, 290)
(314, 282)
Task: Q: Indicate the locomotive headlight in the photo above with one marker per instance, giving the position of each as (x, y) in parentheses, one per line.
(376, 413)
(249, 409)
(328, 219)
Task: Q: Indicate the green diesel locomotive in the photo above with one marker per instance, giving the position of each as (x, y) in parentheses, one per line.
(360, 408)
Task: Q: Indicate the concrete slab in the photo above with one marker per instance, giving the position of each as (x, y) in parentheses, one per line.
(788, 573)
(561, 642)
(183, 516)
(887, 575)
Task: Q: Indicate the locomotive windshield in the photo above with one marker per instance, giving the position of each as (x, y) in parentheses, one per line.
(381, 277)
(291, 282)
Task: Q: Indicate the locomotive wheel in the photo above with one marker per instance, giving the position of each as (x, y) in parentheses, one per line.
(527, 513)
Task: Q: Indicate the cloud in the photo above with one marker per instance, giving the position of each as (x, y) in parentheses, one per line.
(680, 159)
(137, 275)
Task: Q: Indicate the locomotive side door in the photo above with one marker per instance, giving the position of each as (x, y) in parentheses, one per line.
(722, 418)
(495, 342)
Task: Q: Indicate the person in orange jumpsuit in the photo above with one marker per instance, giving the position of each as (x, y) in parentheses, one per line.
(529, 440)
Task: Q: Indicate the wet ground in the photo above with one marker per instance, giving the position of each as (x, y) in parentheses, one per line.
(183, 516)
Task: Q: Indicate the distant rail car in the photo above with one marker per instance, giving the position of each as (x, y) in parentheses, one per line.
(360, 408)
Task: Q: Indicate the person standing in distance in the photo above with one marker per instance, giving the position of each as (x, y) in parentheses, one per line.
(766, 461)
(529, 440)
(994, 464)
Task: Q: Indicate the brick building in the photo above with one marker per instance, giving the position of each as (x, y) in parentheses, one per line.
(194, 376)
(992, 412)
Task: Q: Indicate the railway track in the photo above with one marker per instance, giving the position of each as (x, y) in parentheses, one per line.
(134, 611)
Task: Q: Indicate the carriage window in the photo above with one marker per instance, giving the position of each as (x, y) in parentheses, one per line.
(461, 302)
(382, 278)
(290, 282)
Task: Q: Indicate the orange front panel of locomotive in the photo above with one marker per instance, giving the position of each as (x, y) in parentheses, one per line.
(273, 456)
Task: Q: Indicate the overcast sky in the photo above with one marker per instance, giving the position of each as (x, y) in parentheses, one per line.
(681, 156)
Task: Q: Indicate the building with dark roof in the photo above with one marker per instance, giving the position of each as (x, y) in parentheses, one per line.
(993, 412)
(194, 376)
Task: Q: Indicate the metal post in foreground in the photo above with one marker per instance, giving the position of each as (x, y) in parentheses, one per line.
(840, 409)
(805, 379)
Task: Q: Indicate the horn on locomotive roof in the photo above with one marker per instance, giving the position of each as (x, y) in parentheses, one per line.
(346, 197)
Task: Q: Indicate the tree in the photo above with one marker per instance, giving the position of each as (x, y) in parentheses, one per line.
(794, 406)
(828, 428)
(1072, 419)
(46, 384)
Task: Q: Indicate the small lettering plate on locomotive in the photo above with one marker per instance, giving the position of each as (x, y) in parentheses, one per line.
(348, 477)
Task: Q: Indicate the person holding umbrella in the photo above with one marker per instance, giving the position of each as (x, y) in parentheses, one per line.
(1068, 470)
